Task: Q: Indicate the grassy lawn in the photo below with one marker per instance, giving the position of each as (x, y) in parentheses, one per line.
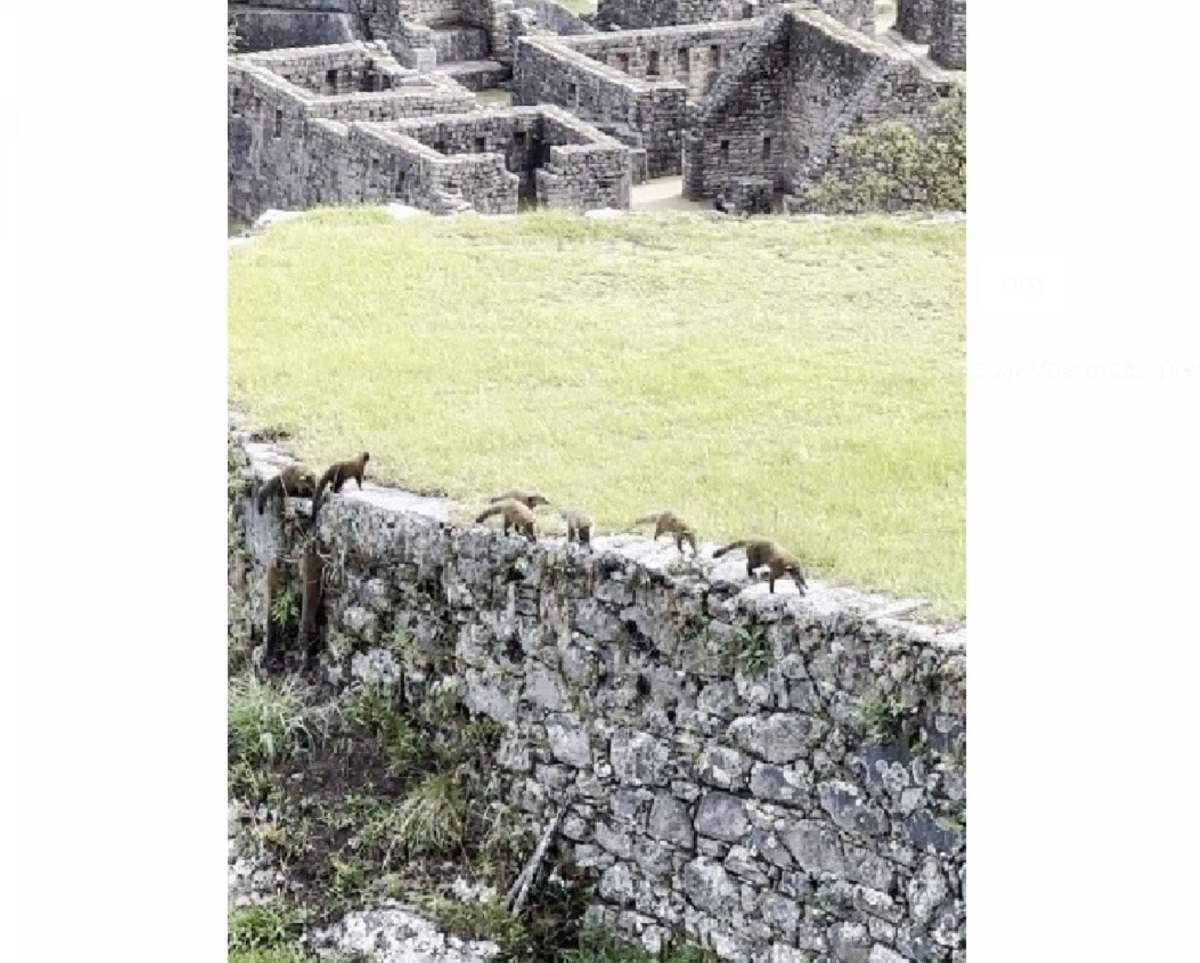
(799, 380)
(579, 6)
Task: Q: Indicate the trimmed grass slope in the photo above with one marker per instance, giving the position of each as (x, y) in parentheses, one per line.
(797, 379)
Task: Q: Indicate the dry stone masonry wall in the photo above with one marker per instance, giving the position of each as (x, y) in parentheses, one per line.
(949, 40)
(746, 99)
(634, 85)
(803, 82)
(637, 14)
(338, 125)
(780, 778)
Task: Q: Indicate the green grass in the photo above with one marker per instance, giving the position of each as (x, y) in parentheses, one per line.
(802, 380)
(268, 723)
(579, 6)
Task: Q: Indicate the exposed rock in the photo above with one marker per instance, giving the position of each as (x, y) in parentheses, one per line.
(721, 816)
(708, 886)
(639, 759)
(569, 741)
(392, 933)
(788, 785)
(815, 848)
(850, 810)
(669, 820)
(780, 737)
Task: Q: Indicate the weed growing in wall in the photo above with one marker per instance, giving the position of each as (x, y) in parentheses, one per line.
(883, 718)
(754, 653)
(264, 927)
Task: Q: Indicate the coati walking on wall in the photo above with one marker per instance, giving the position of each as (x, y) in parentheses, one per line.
(579, 525)
(527, 498)
(515, 514)
(779, 561)
(337, 475)
(295, 481)
(672, 524)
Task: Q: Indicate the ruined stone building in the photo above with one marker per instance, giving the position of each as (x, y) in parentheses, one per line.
(489, 105)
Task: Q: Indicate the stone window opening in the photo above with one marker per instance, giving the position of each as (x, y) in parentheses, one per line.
(766, 147)
(480, 145)
(714, 56)
(331, 78)
(724, 150)
(440, 146)
(572, 93)
(652, 64)
(278, 121)
(623, 62)
(683, 61)
(519, 138)
(400, 184)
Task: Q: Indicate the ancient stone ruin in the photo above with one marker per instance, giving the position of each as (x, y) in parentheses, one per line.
(492, 105)
(778, 778)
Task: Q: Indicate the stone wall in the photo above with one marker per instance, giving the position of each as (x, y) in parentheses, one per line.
(691, 55)
(638, 14)
(423, 141)
(914, 19)
(780, 778)
(804, 81)
(293, 147)
(284, 24)
(949, 41)
(737, 130)
(633, 85)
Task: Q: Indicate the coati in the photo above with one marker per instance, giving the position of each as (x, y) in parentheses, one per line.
(671, 523)
(526, 498)
(337, 475)
(779, 561)
(516, 515)
(312, 567)
(579, 525)
(294, 481)
(275, 581)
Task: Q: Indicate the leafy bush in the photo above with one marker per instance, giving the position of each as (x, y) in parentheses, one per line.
(754, 652)
(264, 927)
(890, 166)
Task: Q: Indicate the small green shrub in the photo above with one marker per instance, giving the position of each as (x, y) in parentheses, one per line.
(883, 718)
(372, 708)
(432, 816)
(481, 921)
(269, 723)
(889, 166)
(348, 878)
(753, 653)
(264, 927)
(279, 954)
(285, 609)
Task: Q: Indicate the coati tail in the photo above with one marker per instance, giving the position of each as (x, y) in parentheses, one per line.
(491, 511)
(729, 548)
